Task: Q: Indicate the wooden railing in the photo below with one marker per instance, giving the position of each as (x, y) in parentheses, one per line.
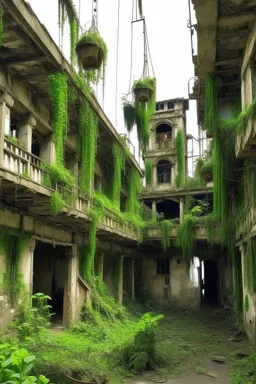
(19, 161)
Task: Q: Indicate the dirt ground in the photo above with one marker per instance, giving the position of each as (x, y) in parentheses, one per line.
(188, 342)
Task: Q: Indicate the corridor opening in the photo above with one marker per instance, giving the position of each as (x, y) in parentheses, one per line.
(210, 278)
(51, 275)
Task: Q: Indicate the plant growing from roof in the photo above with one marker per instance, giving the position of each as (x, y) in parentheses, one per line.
(145, 100)
(92, 54)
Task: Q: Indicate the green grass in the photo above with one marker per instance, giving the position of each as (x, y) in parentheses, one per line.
(95, 349)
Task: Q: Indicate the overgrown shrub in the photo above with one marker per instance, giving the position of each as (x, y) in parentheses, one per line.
(141, 354)
(32, 321)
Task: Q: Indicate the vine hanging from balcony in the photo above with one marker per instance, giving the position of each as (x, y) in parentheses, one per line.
(68, 10)
(12, 244)
(180, 149)
(166, 226)
(119, 164)
(133, 189)
(58, 90)
(88, 133)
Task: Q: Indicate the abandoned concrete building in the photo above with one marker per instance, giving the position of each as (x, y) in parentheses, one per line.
(64, 210)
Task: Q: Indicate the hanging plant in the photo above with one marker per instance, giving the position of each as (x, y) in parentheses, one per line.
(145, 100)
(144, 89)
(92, 52)
(129, 115)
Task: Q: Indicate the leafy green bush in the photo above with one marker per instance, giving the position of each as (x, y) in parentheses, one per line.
(243, 370)
(32, 321)
(16, 366)
(142, 353)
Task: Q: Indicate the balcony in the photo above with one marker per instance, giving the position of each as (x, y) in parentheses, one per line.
(22, 179)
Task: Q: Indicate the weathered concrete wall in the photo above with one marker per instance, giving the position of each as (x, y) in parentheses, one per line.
(225, 280)
(178, 289)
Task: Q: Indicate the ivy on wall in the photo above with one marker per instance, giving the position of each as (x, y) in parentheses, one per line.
(133, 190)
(166, 226)
(88, 133)
(12, 245)
(119, 164)
(148, 171)
(180, 149)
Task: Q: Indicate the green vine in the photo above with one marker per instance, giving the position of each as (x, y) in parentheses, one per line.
(119, 163)
(148, 171)
(58, 90)
(12, 244)
(186, 236)
(166, 226)
(88, 133)
(133, 190)
(56, 203)
(211, 106)
(180, 149)
(67, 9)
(129, 115)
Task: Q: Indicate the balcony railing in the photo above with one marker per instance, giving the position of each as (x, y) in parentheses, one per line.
(167, 144)
(19, 161)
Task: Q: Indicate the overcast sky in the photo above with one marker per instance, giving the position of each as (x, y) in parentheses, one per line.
(169, 40)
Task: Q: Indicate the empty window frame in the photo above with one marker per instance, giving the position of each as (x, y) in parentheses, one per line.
(163, 266)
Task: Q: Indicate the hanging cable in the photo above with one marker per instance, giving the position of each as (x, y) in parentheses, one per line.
(117, 57)
(152, 67)
(130, 80)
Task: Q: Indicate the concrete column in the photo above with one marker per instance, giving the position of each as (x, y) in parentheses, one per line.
(101, 265)
(71, 163)
(154, 209)
(154, 176)
(69, 313)
(181, 210)
(6, 102)
(132, 279)
(120, 281)
(26, 264)
(25, 133)
(47, 151)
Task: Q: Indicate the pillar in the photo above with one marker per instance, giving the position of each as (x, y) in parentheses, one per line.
(25, 133)
(154, 176)
(71, 163)
(6, 102)
(120, 281)
(181, 210)
(132, 279)
(26, 264)
(47, 151)
(69, 312)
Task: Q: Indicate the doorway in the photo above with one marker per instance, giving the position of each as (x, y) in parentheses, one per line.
(210, 281)
(50, 275)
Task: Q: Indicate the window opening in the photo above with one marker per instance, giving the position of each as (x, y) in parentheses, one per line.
(163, 267)
(164, 172)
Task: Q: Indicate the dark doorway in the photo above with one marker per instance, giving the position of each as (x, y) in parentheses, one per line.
(211, 280)
(50, 274)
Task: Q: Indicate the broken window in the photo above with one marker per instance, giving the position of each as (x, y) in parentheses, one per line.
(163, 133)
(170, 105)
(160, 106)
(163, 266)
(163, 172)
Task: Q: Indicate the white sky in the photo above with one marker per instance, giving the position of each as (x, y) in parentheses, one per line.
(169, 40)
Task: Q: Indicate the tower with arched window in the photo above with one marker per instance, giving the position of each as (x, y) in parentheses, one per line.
(162, 157)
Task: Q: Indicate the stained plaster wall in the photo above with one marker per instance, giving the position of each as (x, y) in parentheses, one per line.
(180, 289)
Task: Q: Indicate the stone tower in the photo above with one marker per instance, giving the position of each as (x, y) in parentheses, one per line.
(161, 153)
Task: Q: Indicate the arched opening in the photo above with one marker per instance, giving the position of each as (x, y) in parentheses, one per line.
(163, 136)
(164, 172)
